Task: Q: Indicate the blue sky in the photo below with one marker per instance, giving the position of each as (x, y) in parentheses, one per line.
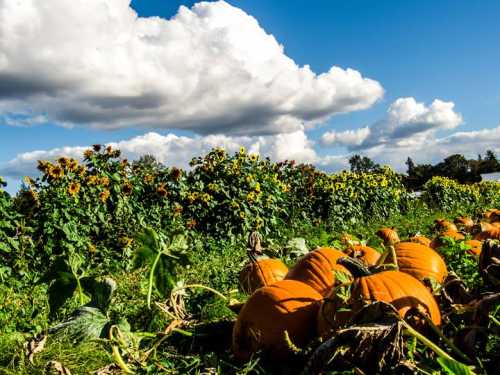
(426, 50)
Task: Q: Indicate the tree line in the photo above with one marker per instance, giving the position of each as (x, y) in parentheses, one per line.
(454, 166)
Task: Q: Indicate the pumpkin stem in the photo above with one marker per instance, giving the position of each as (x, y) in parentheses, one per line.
(392, 252)
(254, 247)
(355, 266)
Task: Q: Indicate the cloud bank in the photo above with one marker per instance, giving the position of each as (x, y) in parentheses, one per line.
(210, 69)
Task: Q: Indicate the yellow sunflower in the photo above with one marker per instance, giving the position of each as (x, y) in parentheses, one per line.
(104, 195)
(74, 188)
(92, 180)
(87, 154)
(127, 188)
(161, 190)
(104, 181)
(72, 164)
(55, 171)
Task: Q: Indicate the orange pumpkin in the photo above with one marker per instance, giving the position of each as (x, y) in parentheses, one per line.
(493, 234)
(421, 240)
(438, 241)
(445, 225)
(475, 246)
(287, 305)
(368, 255)
(489, 262)
(401, 290)
(465, 223)
(317, 269)
(261, 272)
(491, 214)
(388, 235)
(420, 261)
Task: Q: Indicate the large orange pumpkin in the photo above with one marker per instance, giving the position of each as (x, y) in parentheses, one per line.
(401, 290)
(421, 240)
(368, 255)
(444, 225)
(420, 261)
(489, 262)
(287, 305)
(317, 269)
(475, 246)
(493, 234)
(465, 223)
(261, 272)
(438, 241)
(388, 235)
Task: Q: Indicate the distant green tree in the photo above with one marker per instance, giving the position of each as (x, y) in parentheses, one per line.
(363, 164)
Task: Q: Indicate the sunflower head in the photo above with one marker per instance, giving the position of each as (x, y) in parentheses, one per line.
(63, 161)
(96, 148)
(191, 223)
(104, 181)
(176, 173)
(161, 190)
(74, 188)
(56, 171)
(87, 154)
(92, 180)
(28, 181)
(104, 195)
(72, 165)
(43, 166)
(127, 188)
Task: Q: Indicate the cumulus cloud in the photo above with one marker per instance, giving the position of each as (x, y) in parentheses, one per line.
(407, 123)
(211, 69)
(177, 150)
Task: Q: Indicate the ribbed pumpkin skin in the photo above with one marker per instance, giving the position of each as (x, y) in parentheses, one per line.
(445, 225)
(437, 242)
(317, 269)
(261, 273)
(422, 240)
(287, 305)
(475, 246)
(464, 222)
(401, 290)
(388, 235)
(420, 261)
(493, 234)
(368, 255)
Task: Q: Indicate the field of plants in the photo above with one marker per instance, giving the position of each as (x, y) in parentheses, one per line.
(241, 265)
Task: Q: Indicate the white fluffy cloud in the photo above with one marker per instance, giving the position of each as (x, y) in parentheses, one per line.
(407, 123)
(177, 150)
(211, 69)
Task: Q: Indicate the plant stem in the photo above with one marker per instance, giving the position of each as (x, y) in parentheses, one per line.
(201, 286)
(151, 277)
(436, 349)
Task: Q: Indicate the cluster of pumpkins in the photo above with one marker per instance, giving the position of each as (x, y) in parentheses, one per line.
(287, 308)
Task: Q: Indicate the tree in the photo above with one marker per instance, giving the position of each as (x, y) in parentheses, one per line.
(147, 163)
(411, 166)
(363, 164)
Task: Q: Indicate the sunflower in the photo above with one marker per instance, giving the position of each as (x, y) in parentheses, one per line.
(63, 161)
(87, 154)
(191, 223)
(96, 148)
(104, 195)
(178, 210)
(72, 165)
(254, 157)
(148, 179)
(81, 171)
(124, 164)
(55, 171)
(257, 187)
(109, 149)
(104, 181)
(28, 180)
(242, 150)
(127, 188)
(242, 214)
(176, 173)
(74, 188)
(92, 180)
(161, 190)
(43, 165)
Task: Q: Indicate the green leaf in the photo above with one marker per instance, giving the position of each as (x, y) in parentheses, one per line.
(60, 290)
(453, 367)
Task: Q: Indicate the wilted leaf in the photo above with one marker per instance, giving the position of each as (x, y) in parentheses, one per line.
(35, 345)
